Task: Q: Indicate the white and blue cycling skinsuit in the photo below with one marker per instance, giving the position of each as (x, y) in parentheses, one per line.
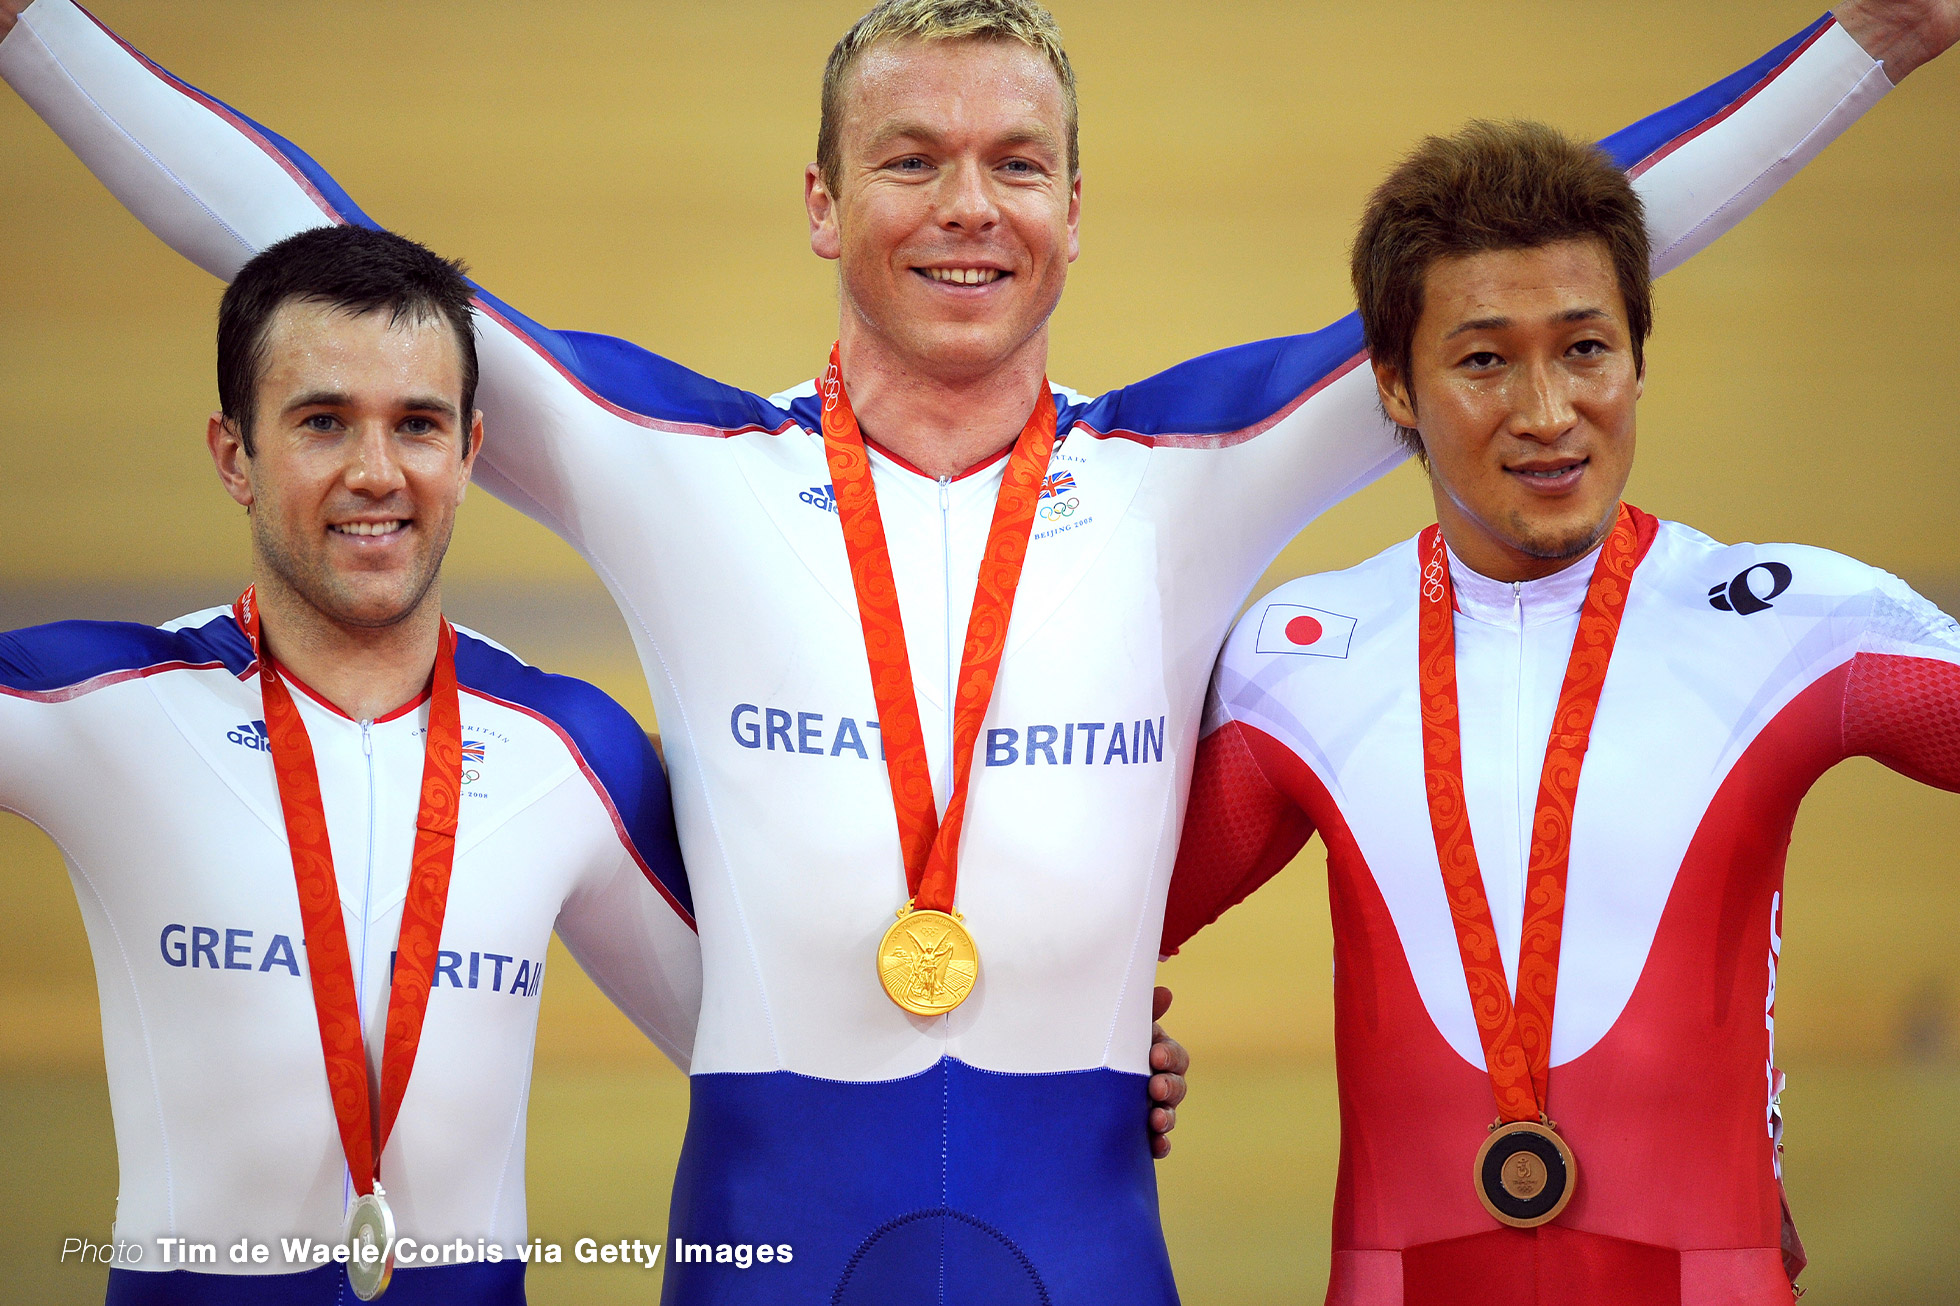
(142, 752)
(998, 1150)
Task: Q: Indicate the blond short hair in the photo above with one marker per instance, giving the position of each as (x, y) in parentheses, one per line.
(942, 20)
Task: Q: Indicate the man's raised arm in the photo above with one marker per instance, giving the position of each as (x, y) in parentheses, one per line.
(1294, 420)
(219, 188)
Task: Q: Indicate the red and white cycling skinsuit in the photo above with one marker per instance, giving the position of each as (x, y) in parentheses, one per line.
(1741, 674)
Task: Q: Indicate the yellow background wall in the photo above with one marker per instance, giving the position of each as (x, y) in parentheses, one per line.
(635, 169)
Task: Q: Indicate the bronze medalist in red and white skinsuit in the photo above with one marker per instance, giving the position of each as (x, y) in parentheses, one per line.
(1741, 674)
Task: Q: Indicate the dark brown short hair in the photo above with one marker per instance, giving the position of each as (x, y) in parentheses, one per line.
(357, 269)
(1492, 186)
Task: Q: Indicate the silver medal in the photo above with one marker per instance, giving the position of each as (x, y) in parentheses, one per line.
(370, 1245)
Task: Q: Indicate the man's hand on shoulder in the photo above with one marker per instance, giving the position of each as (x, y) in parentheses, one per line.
(1902, 33)
(1168, 1062)
(9, 11)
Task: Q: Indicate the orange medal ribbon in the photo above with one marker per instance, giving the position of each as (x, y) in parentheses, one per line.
(1517, 1039)
(931, 844)
(335, 999)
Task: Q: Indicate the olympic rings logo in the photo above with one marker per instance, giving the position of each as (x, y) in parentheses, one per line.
(1059, 509)
(471, 777)
(1432, 580)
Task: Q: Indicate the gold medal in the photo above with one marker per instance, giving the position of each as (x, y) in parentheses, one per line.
(1525, 1173)
(927, 961)
(370, 1244)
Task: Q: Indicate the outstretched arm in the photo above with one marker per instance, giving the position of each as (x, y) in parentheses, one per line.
(559, 407)
(1285, 428)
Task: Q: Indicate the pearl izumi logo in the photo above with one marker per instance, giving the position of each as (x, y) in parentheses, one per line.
(1751, 590)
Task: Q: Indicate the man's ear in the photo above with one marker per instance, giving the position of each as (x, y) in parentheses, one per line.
(821, 206)
(1075, 219)
(469, 459)
(234, 465)
(1397, 402)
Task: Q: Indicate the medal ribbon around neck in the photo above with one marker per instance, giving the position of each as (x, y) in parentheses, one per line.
(1517, 1039)
(335, 999)
(930, 844)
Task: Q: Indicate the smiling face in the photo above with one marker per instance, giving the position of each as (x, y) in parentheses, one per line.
(1522, 383)
(954, 217)
(358, 464)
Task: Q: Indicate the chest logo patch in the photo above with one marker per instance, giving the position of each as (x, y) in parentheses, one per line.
(821, 497)
(250, 735)
(1314, 632)
(1750, 592)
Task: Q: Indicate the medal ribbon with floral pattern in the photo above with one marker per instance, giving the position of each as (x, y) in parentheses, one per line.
(929, 843)
(1517, 1038)
(329, 966)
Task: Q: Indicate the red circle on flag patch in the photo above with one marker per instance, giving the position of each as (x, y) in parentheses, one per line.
(1304, 630)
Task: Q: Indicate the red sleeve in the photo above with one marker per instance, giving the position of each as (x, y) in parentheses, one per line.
(1239, 830)
(1905, 712)
(1902, 691)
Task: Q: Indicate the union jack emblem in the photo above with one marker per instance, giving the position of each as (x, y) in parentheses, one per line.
(472, 750)
(1059, 483)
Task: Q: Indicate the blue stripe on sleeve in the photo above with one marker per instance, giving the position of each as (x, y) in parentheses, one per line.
(1216, 394)
(1630, 145)
(643, 382)
(607, 737)
(1226, 391)
(65, 653)
(623, 374)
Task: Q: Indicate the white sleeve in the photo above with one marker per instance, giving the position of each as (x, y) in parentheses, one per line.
(205, 180)
(1286, 428)
(218, 188)
(1707, 163)
(641, 954)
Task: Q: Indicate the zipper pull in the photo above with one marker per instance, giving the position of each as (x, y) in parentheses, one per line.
(945, 484)
(367, 743)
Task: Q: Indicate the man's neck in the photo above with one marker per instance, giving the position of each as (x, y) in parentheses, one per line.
(941, 424)
(1510, 567)
(365, 671)
(1495, 559)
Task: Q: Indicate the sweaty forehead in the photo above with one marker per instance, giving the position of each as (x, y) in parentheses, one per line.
(951, 86)
(309, 345)
(1510, 282)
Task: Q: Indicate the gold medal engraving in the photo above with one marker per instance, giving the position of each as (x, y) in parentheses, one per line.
(370, 1243)
(1525, 1173)
(927, 962)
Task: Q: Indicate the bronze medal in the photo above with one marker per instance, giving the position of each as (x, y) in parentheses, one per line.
(927, 962)
(1525, 1174)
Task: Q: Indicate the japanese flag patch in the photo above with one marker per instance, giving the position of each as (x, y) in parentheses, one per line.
(1289, 628)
